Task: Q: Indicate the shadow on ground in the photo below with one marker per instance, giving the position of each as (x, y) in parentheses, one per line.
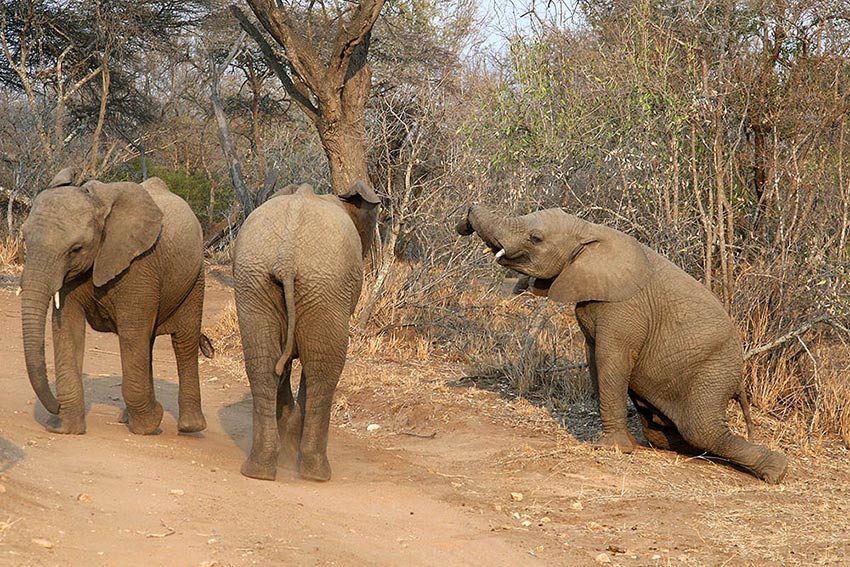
(106, 390)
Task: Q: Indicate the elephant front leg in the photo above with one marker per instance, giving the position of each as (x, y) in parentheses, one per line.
(613, 368)
(144, 413)
(69, 344)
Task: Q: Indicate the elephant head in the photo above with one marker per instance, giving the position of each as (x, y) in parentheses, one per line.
(96, 229)
(572, 260)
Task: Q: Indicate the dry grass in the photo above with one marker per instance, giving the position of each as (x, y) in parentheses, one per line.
(227, 341)
(11, 253)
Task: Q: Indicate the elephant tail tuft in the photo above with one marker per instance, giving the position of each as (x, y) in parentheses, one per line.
(744, 402)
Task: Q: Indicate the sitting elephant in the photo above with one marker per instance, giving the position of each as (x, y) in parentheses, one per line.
(298, 266)
(652, 332)
(128, 259)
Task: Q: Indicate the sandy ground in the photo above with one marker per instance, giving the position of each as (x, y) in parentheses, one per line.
(455, 475)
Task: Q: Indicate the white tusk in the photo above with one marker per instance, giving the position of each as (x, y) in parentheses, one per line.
(18, 291)
(500, 253)
(56, 300)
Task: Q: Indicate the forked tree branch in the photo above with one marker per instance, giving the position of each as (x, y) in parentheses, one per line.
(303, 58)
(350, 34)
(300, 97)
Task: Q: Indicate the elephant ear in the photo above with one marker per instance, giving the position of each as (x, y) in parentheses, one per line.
(64, 177)
(607, 265)
(360, 193)
(361, 203)
(132, 225)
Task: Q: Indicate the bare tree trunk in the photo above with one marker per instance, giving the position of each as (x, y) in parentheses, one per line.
(91, 167)
(331, 91)
(227, 146)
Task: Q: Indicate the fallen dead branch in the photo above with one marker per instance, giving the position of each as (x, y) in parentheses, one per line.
(787, 337)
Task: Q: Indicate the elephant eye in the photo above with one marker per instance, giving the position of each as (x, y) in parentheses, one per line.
(535, 238)
(76, 249)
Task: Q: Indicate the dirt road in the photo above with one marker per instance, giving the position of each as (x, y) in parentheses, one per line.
(453, 475)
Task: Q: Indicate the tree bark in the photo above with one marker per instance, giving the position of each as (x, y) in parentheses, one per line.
(333, 92)
(227, 146)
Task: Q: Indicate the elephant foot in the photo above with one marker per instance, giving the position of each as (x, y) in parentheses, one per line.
(146, 423)
(774, 468)
(66, 424)
(252, 469)
(314, 467)
(191, 421)
(622, 440)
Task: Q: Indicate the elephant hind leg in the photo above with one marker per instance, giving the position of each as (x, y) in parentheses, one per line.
(185, 342)
(719, 440)
(290, 417)
(260, 330)
(322, 363)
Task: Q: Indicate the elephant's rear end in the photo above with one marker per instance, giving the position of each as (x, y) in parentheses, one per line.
(180, 246)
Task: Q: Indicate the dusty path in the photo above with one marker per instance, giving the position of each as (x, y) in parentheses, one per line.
(432, 486)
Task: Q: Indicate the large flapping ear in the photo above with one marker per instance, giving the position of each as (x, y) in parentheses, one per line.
(360, 193)
(606, 265)
(64, 177)
(132, 226)
(361, 203)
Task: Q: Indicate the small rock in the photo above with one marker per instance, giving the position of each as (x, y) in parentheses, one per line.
(593, 526)
(683, 558)
(516, 496)
(176, 491)
(45, 543)
(2, 489)
(84, 498)
(656, 557)
(603, 558)
(212, 540)
(576, 506)
(545, 520)
(526, 523)
(210, 563)
(372, 427)
(496, 507)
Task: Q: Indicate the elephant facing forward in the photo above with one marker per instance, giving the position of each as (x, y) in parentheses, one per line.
(652, 332)
(298, 267)
(127, 258)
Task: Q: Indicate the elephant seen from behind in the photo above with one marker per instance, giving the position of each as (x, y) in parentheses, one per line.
(128, 259)
(652, 332)
(298, 268)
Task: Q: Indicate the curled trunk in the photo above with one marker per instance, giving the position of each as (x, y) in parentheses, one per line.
(34, 303)
(496, 232)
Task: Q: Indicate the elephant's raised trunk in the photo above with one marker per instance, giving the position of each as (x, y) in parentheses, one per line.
(498, 233)
(35, 299)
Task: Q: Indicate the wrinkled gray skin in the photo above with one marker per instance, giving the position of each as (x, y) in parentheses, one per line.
(652, 332)
(298, 266)
(127, 258)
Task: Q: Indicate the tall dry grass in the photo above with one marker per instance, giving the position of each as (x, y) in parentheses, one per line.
(11, 252)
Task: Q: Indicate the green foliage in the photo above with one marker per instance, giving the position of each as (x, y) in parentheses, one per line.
(193, 187)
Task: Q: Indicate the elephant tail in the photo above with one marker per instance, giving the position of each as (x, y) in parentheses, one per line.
(288, 281)
(744, 402)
